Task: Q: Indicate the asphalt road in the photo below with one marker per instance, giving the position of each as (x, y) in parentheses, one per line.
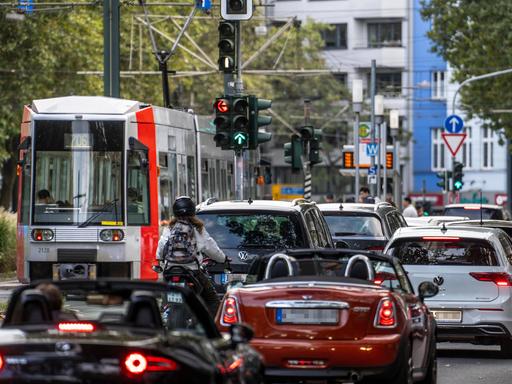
(457, 363)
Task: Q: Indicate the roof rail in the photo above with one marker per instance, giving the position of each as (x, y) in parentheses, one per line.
(211, 200)
(300, 200)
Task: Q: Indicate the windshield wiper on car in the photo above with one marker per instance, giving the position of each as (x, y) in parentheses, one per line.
(105, 208)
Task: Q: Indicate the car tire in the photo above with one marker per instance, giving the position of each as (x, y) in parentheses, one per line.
(506, 348)
(402, 376)
(431, 377)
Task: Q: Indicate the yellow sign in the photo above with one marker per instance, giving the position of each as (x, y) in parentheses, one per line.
(113, 223)
(287, 191)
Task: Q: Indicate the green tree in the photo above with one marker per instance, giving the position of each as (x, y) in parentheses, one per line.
(475, 38)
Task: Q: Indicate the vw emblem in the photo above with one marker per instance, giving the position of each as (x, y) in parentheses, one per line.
(307, 297)
(439, 280)
(243, 255)
(64, 347)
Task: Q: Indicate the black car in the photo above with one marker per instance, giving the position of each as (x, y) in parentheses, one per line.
(119, 332)
(246, 229)
(362, 226)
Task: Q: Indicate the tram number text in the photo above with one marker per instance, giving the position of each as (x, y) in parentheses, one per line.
(43, 250)
(77, 140)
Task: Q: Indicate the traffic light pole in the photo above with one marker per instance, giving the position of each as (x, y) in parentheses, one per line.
(306, 165)
(454, 192)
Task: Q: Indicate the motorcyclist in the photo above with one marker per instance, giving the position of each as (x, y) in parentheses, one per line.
(185, 215)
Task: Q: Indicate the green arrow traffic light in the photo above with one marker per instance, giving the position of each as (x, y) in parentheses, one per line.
(240, 139)
(458, 174)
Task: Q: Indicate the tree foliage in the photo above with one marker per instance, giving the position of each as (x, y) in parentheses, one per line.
(475, 38)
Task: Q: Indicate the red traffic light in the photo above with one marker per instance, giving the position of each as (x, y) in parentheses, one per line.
(221, 106)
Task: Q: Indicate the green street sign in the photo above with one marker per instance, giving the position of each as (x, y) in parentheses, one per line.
(240, 138)
(364, 130)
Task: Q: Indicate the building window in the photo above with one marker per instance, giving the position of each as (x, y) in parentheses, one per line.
(438, 150)
(466, 155)
(388, 83)
(335, 37)
(384, 35)
(438, 85)
(341, 77)
(488, 148)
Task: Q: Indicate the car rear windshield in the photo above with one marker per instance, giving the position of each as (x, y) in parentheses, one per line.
(353, 224)
(452, 251)
(474, 213)
(261, 230)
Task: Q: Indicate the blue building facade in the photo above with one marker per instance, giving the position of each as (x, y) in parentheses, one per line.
(428, 106)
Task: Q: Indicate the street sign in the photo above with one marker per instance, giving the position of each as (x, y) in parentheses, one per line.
(453, 141)
(453, 124)
(364, 130)
(372, 170)
(372, 149)
(372, 179)
(204, 5)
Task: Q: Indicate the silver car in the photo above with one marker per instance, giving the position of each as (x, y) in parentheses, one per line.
(472, 267)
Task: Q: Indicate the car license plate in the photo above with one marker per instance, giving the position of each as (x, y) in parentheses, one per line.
(174, 297)
(180, 284)
(224, 278)
(448, 316)
(307, 316)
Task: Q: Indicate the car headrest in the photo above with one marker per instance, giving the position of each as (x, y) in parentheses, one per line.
(143, 310)
(34, 307)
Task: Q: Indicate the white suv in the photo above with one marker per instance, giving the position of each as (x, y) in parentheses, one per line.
(472, 267)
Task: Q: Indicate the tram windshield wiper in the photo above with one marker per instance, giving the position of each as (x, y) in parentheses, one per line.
(105, 208)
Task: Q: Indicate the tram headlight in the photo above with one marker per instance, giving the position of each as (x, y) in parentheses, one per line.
(111, 235)
(42, 235)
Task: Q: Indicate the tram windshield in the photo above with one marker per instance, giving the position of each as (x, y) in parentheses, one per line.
(78, 172)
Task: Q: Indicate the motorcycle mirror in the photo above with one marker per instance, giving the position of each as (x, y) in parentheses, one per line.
(157, 268)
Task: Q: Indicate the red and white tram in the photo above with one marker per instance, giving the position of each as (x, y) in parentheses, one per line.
(96, 177)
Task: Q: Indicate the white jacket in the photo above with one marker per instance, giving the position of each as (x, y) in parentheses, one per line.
(205, 245)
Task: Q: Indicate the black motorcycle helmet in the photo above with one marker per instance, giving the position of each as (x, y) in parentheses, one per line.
(184, 206)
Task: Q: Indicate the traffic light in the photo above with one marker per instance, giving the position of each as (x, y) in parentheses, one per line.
(443, 183)
(227, 48)
(293, 153)
(256, 121)
(240, 122)
(457, 176)
(236, 9)
(314, 147)
(222, 121)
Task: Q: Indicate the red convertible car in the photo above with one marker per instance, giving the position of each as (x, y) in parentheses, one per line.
(336, 315)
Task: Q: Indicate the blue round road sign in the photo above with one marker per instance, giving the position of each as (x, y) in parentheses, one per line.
(453, 124)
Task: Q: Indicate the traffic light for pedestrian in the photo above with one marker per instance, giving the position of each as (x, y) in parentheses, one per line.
(293, 152)
(227, 47)
(314, 147)
(256, 121)
(222, 121)
(236, 9)
(457, 176)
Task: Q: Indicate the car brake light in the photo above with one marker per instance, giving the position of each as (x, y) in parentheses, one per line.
(471, 207)
(440, 238)
(1, 362)
(136, 363)
(379, 248)
(386, 314)
(230, 312)
(501, 279)
(175, 279)
(83, 327)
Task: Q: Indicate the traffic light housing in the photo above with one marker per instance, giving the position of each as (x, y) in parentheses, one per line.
(236, 9)
(457, 176)
(314, 147)
(227, 46)
(256, 121)
(222, 122)
(293, 152)
(444, 180)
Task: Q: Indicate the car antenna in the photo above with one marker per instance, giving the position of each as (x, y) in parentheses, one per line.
(250, 200)
(443, 228)
(481, 212)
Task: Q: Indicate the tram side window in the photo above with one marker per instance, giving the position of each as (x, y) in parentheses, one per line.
(25, 188)
(204, 180)
(137, 183)
(191, 177)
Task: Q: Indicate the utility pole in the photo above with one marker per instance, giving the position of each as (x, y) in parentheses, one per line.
(357, 105)
(111, 38)
(305, 161)
(372, 95)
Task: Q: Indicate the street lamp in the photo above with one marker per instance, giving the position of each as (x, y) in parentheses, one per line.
(357, 105)
(379, 118)
(394, 125)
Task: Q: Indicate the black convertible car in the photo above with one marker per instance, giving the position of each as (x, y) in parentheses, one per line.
(111, 331)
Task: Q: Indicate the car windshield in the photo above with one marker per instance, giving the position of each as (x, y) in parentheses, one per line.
(353, 224)
(265, 230)
(78, 172)
(142, 309)
(473, 212)
(449, 251)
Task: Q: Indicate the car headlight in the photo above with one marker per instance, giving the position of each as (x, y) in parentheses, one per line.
(111, 235)
(42, 235)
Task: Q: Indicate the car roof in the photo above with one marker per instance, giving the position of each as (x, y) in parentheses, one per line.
(483, 223)
(474, 206)
(353, 207)
(458, 231)
(252, 205)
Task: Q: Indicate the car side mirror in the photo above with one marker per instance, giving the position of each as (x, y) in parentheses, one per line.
(341, 244)
(427, 289)
(157, 268)
(241, 333)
